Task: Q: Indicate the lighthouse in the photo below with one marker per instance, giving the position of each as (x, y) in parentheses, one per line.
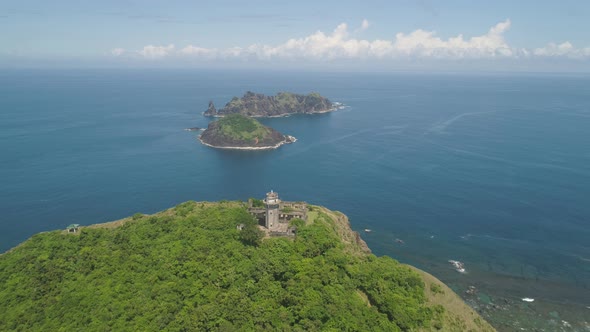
(272, 209)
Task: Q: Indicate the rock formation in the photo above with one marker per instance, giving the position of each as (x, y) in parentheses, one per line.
(284, 103)
(240, 132)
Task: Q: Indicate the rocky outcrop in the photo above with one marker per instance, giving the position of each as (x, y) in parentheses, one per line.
(240, 132)
(211, 110)
(284, 103)
(355, 244)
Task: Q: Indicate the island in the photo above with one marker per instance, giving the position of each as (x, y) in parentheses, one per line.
(240, 132)
(212, 266)
(283, 104)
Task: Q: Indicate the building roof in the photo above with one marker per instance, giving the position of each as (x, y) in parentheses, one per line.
(73, 226)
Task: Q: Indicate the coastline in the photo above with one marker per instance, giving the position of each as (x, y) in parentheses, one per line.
(289, 140)
(336, 106)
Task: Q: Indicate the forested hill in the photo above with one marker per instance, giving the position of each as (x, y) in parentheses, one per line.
(239, 131)
(284, 103)
(190, 269)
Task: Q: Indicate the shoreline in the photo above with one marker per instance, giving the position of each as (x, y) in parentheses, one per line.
(334, 108)
(289, 140)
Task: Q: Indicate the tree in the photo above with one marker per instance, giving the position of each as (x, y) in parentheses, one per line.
(257, 203)
(251, 234)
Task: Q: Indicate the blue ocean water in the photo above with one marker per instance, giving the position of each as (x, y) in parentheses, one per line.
(489, 169)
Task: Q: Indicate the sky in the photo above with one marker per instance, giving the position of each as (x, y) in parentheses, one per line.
(365, 35)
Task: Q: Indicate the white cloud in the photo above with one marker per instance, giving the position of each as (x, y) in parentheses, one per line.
(156, 52)
(117, 51)
(565, 49)
(339, 44)
(316, 46)
(199, 52)
(422, 43)
(232, 52)
(419, 43)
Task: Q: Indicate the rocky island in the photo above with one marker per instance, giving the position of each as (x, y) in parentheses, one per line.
(203, 266)
(283, 104)
(240, 132)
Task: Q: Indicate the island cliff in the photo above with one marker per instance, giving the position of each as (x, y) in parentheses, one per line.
(236, 131)
(204, 266)
(284, 103)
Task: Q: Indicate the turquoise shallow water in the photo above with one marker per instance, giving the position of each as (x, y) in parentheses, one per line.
(492, 170)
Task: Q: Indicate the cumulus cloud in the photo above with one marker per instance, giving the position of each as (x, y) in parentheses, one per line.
(565, 49)
(156, 52)
(339, 44)
(200, 52)
(320, 46)
(426, 44)
(419, 43)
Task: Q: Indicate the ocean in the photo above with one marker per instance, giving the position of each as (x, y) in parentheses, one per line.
(490, 169)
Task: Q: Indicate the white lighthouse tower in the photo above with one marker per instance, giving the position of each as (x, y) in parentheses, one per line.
(272, 209)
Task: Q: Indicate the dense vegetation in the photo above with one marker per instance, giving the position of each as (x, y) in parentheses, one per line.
(190, 269)
(242, 128)
(258, 203)
(237, 130)
(259, 105)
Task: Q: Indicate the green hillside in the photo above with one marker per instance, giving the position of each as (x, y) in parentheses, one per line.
(239, 127)
(190, 269)
(239, 131)
(282, 104)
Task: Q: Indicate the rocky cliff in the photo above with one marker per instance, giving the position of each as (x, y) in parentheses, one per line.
(284, 103)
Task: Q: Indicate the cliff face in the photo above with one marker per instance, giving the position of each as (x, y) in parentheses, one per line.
(284, 103)
(237, 131)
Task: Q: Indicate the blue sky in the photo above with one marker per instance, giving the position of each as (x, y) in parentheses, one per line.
(530, 35)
